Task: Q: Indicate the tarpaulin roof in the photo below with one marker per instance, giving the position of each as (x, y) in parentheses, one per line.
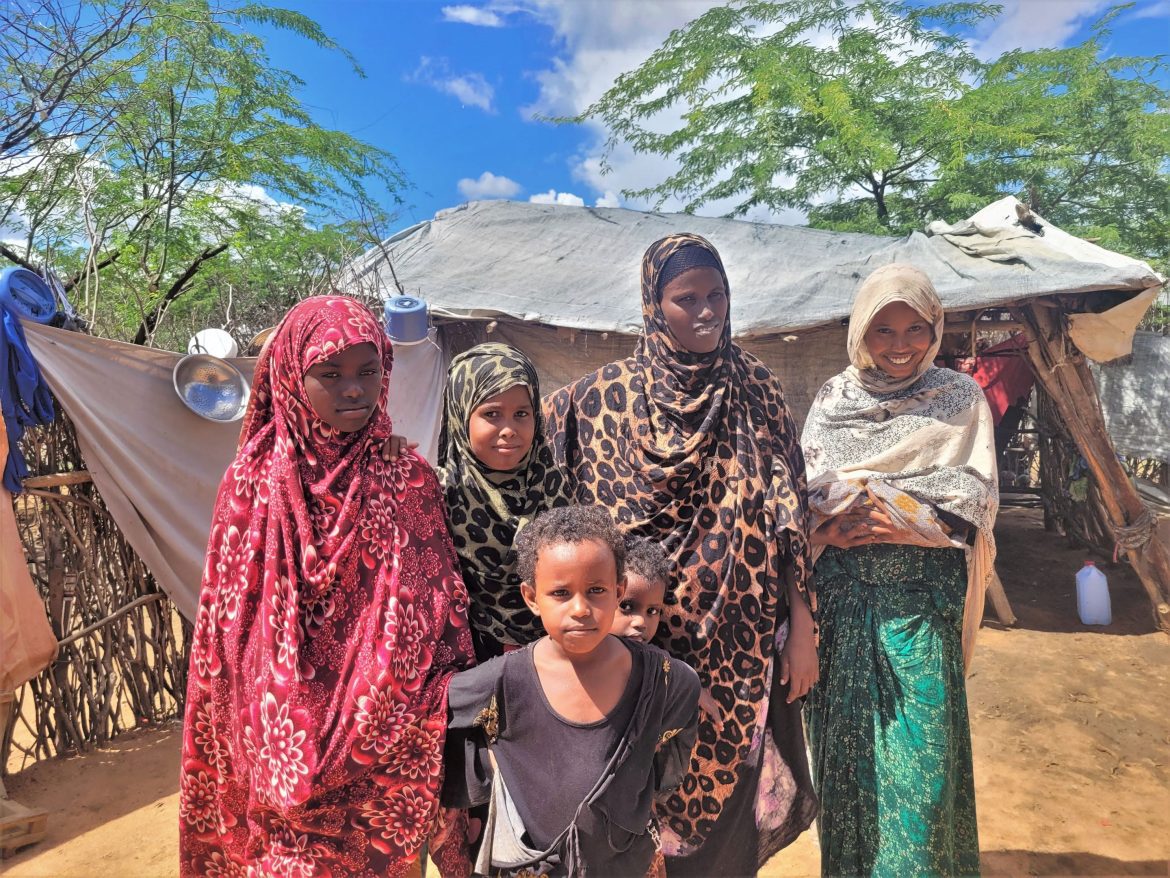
(579, 267)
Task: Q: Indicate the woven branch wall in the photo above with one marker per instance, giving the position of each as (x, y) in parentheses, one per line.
(122, 662)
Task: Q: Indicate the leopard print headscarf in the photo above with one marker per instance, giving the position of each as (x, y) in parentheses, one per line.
(486, 508)
(699, 453)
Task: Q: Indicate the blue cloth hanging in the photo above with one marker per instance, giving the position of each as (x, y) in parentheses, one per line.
(25, 399)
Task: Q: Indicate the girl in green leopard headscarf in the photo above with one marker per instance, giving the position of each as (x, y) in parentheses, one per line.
(497, 473)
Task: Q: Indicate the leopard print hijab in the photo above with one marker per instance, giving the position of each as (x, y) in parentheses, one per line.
(486, 508)
(699, 453)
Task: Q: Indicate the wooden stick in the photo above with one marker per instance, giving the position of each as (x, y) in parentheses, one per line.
(999, 601)
(123, 652)
(117, 614)
(65, 498)
(56, 480)
(981, 326)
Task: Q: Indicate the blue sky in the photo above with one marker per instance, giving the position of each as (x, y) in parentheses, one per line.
(452, 88)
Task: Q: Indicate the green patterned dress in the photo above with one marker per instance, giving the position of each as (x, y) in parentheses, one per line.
(887, 723)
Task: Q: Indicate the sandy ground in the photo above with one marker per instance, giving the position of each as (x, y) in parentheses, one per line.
(1070, 726)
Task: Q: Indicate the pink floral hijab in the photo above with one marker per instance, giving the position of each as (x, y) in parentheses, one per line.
(331, 617)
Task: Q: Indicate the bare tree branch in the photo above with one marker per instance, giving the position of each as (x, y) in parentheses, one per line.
(180, 286)
(12, 256)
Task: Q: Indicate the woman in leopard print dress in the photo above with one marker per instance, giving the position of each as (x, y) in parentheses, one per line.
(688, 443)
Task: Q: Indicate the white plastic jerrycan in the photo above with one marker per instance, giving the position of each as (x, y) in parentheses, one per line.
(1093, 596)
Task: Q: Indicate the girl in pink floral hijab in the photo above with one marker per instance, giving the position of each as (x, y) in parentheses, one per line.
(331, 618)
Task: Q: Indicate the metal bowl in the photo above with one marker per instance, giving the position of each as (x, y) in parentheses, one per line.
(212, 388)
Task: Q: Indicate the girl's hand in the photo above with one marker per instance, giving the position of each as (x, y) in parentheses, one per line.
(449, 823)
(799, 669)
(710, 706)
(394, 446)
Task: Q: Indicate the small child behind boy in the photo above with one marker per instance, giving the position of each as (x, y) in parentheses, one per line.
(647, 579)
(570, 739)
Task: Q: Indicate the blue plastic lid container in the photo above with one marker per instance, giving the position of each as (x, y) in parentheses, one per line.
(27, 294)
(406, 319)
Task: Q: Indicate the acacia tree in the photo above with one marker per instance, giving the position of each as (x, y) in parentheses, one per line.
(877, 116)
(194, 160)
(784, 101)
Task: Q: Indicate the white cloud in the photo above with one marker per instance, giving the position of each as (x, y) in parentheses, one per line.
(476, 15)
(1036, 24)
(14, 231)
(554, 197)
(609, 199)
(488, 185)
(597, 48)
(470, 89)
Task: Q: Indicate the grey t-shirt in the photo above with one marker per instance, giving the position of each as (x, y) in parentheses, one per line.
(549, 782)
(599, 779)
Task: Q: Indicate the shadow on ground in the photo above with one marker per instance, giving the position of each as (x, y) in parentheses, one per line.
(1027, 863)
(84, 792)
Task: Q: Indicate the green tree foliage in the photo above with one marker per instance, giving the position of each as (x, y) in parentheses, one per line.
(159, 163)
(877, 116)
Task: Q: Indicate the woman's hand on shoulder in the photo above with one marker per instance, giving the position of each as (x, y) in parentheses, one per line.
(849, 531)
(395, 445)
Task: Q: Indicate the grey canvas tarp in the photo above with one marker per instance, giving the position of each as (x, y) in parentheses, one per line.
(545, 272)
(157, 464)
(579, 267)
(1135, 397)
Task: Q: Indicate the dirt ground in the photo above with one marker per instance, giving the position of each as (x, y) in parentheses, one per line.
(1070, 726)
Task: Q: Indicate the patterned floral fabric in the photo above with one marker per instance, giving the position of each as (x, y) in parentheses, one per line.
(331, 617)
(888, 727)
(698, 452)
(487, 508)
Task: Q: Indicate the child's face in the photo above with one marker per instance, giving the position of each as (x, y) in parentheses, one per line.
(641, 609)
(343, 390)
(576, 594)
(501, 428)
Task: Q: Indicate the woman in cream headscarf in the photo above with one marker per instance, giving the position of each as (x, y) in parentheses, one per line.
(902, 493)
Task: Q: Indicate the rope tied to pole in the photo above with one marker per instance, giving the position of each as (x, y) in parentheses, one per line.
(1133, 536)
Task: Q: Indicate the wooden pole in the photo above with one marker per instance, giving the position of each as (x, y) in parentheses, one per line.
(1064, 374)
(999, 601)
